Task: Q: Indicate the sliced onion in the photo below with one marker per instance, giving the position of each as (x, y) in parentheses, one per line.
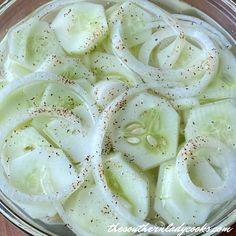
(39, 77)
(106, 90)
(210, 65)
(204, 27)
(157, 38)
(177, 74)
(217, 150)
(189, 87)
(123, 53)
(156, 25)
(160, 13)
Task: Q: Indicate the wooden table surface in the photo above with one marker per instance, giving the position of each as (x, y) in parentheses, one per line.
(8, 229)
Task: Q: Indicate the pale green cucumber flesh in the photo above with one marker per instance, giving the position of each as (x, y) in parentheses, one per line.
(80, 27)
(87, 209)
(174, 204)
(147, 130)
(122, 177)
(216, 119)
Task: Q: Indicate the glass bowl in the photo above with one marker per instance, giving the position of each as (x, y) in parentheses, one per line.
(217, 12)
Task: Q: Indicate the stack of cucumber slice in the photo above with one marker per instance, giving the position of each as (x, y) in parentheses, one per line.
(117, 113)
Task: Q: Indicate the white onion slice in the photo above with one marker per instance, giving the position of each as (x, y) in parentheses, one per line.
(123, 53)
(204, 27)
(177, 74)
(39, 77)
(189, 87)
(160, 13)
(106, 90)
(217, 150)
(155, 25)
(148, 73)
(157, 38)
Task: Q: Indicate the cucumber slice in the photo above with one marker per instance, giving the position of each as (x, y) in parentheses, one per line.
(224, 83)
(15, 70)
(128, 183)
(173, 204)
(146, 129)
(71, 138)
(106, 65)
(22, 97)
(214, 119)
(30, 174)
(134, 22)
(23, 141)
(33, 94)
(9, 107)
(86, 208)
(56, 95)
(80, 27)
(69, 68)
(32, 42)
(32, 90)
